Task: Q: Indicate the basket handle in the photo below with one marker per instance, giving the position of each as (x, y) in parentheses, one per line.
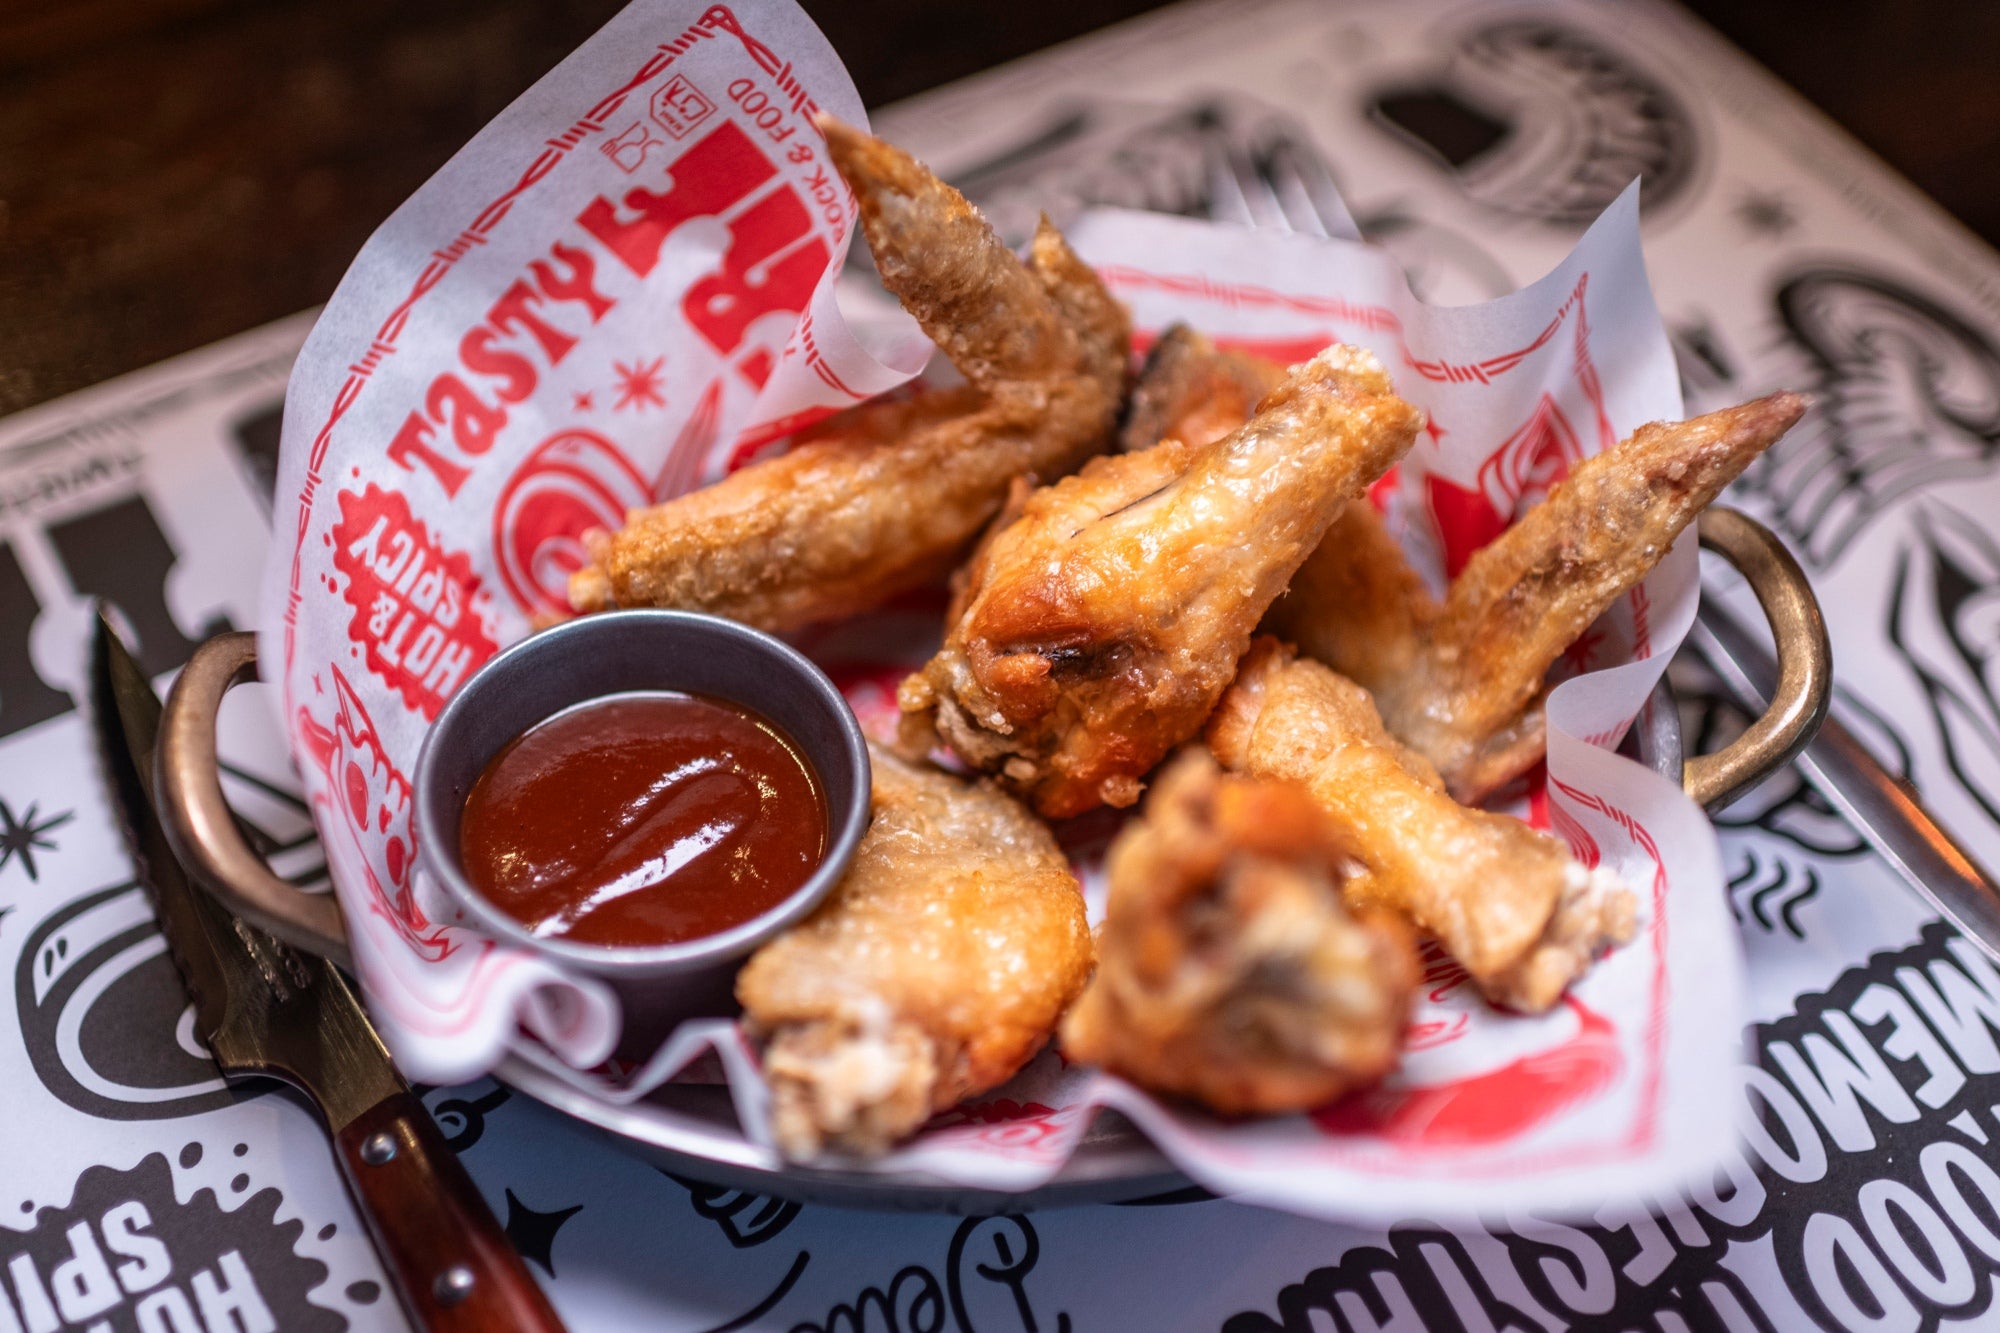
(1798, 703)
(200, 824)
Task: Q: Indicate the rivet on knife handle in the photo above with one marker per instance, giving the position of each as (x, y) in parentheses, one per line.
(450, 1261)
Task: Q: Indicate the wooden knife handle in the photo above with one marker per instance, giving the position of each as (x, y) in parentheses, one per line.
(449, 1260)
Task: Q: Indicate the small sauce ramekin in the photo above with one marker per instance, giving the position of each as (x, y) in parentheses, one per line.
(618, 652)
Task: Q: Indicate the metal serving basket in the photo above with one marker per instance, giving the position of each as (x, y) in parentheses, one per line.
(691, 1130)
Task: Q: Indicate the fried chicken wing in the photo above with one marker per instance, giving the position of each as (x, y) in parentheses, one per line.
(1471, 704)
(1357, 603)
(1462, 680)
(1229, 970)
(1508, 902)
(1094, 632)
(1356, 595)
(936, 969)
(1191, 391)
(876, 502)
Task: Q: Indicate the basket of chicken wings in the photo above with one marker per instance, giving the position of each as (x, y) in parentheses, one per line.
(1249, 656)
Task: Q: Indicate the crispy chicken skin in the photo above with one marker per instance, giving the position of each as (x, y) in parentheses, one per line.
(1471, 704)
(1508, 902)
(1191, 391)
(1357, 603)
(876, 501)
(1356, 595)
(1093, 632)
(1462, 680)
(1229, 971)
(937, 968)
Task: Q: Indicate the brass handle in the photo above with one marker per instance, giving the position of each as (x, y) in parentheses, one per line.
(1805, 663)
(200, 824)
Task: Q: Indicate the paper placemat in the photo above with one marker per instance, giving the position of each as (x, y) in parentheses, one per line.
(1473, 144)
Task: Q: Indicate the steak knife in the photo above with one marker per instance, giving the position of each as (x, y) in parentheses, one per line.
(265, 1010)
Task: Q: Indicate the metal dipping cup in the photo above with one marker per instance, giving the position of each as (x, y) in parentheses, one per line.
(617, 652)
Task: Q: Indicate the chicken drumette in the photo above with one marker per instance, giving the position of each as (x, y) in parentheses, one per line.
(1461, 679)
(1508, 902)
(1229, 970)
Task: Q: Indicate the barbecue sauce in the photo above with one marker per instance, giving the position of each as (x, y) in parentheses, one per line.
(644, 819)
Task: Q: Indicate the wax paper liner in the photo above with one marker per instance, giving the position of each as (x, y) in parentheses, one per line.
(624, 288)
(619, 289)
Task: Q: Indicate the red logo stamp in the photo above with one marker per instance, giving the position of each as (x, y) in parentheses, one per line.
(412, 600)
(568, 484)
(1016, 1128)
(629, 147)
(1493, 1106)
(1522, 471)
(680, 106)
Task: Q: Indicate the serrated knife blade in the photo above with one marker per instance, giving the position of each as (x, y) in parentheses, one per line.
(267, 1010)
(260, 1007)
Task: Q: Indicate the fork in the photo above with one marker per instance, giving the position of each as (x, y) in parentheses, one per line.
(1282, 186)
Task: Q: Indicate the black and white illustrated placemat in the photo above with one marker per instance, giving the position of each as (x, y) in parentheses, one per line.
(136, 1192)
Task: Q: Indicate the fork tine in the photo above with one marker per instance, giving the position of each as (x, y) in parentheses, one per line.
(1291, 194)
(1282, 187)
(1231, 185)
(1261, 205)
(1300, 181)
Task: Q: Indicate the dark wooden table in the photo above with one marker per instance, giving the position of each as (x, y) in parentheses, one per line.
(174, 171)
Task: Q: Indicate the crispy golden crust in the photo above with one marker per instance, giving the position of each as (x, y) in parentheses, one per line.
(935, 971)
(1462, 680)
(1102, 327)
(1527, 595)
(1508, 902)
(1191, 392)
(973, 296)
(1096, 630)
(891, 493)
(1229, 971)
(1357, 604)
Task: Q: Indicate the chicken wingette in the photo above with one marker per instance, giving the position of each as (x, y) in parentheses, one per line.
(935, 970)
(875, 502)
(1103, 616)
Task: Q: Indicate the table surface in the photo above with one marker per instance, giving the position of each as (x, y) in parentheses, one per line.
(175, 171)
(200, 167)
